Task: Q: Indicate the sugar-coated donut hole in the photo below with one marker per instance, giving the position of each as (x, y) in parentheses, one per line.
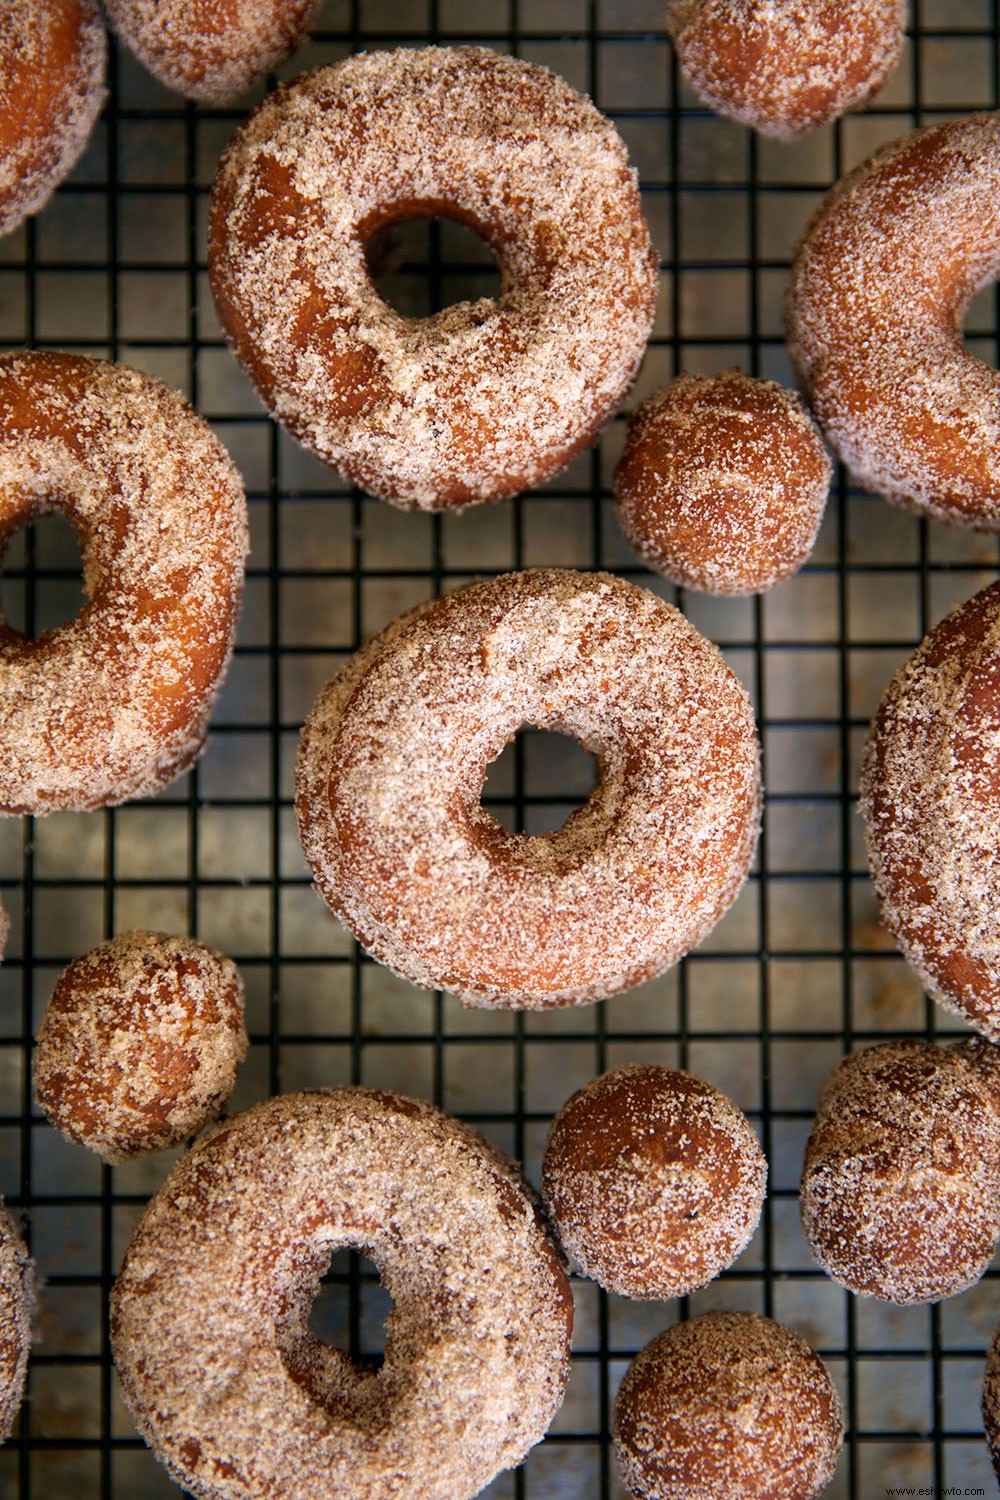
(42, 581)
(420, 264)
(350, 1308)
(538, 779)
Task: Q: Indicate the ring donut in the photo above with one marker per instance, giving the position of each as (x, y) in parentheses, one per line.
(115, 703)
(52, 64)
(482, 399)
(238, 1398)
(930, 798)
(880, 285)
(394, 755)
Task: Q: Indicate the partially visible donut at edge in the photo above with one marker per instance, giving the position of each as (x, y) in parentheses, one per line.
(900, 1194)
(991, 1402)
(17, 1301)
(930, 799)
(393, 759)
(479, 400)
(211, 50)
(53, 55)
(880, 284)
(724, 1406)
(115, 703)
(785, 67)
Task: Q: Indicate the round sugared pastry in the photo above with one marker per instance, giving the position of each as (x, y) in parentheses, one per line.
(727, 1405)
(722, 483)
(482, 399)
(394, 756)
(52, 64)
(654, 1181)
(115, 703)
(209, 1316)
(930, 797)
(211, 50)
(17, 1300)
(879, 287)
(900, 1188)
(785, 67)
(991, 1402)
(139, 1044)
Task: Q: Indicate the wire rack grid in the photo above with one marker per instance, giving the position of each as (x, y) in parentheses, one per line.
(798, 972)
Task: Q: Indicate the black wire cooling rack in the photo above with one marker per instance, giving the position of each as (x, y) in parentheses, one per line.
(797, 973)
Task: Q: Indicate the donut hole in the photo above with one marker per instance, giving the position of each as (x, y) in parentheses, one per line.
(420, 265)
(350, 1309)
(42, 585)
(538, 780)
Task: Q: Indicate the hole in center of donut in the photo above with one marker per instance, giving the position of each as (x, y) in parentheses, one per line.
(979, 322)
(350, 1308)
(421, 265)
(42, 576)
(538, 780)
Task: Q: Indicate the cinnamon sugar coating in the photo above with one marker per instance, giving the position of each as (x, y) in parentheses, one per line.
(901, 1184)
(785, 67)
(139, 1044)
(722, 483)
(654, 1181)
(52, 64)
(727, 1404)
(482, 399)
(394, 755)
(115, 703)
(930, 797)
(211, 50)
(880, 285)
(223, 1377)
(991, 1402)
(17, 1300)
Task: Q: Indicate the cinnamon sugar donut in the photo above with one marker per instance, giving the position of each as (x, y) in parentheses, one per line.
(17, 1299)
(727, 1405)
(880, 285)
(901, 1184)
(222, 1375)
(786, 67)
(654, 1181)
(482, 399)
(394, 756)
(139, 1044)
(115, 704)
(930, 797)
(211, 50)
(991, 1402)
(52, 64)
(722, 483)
